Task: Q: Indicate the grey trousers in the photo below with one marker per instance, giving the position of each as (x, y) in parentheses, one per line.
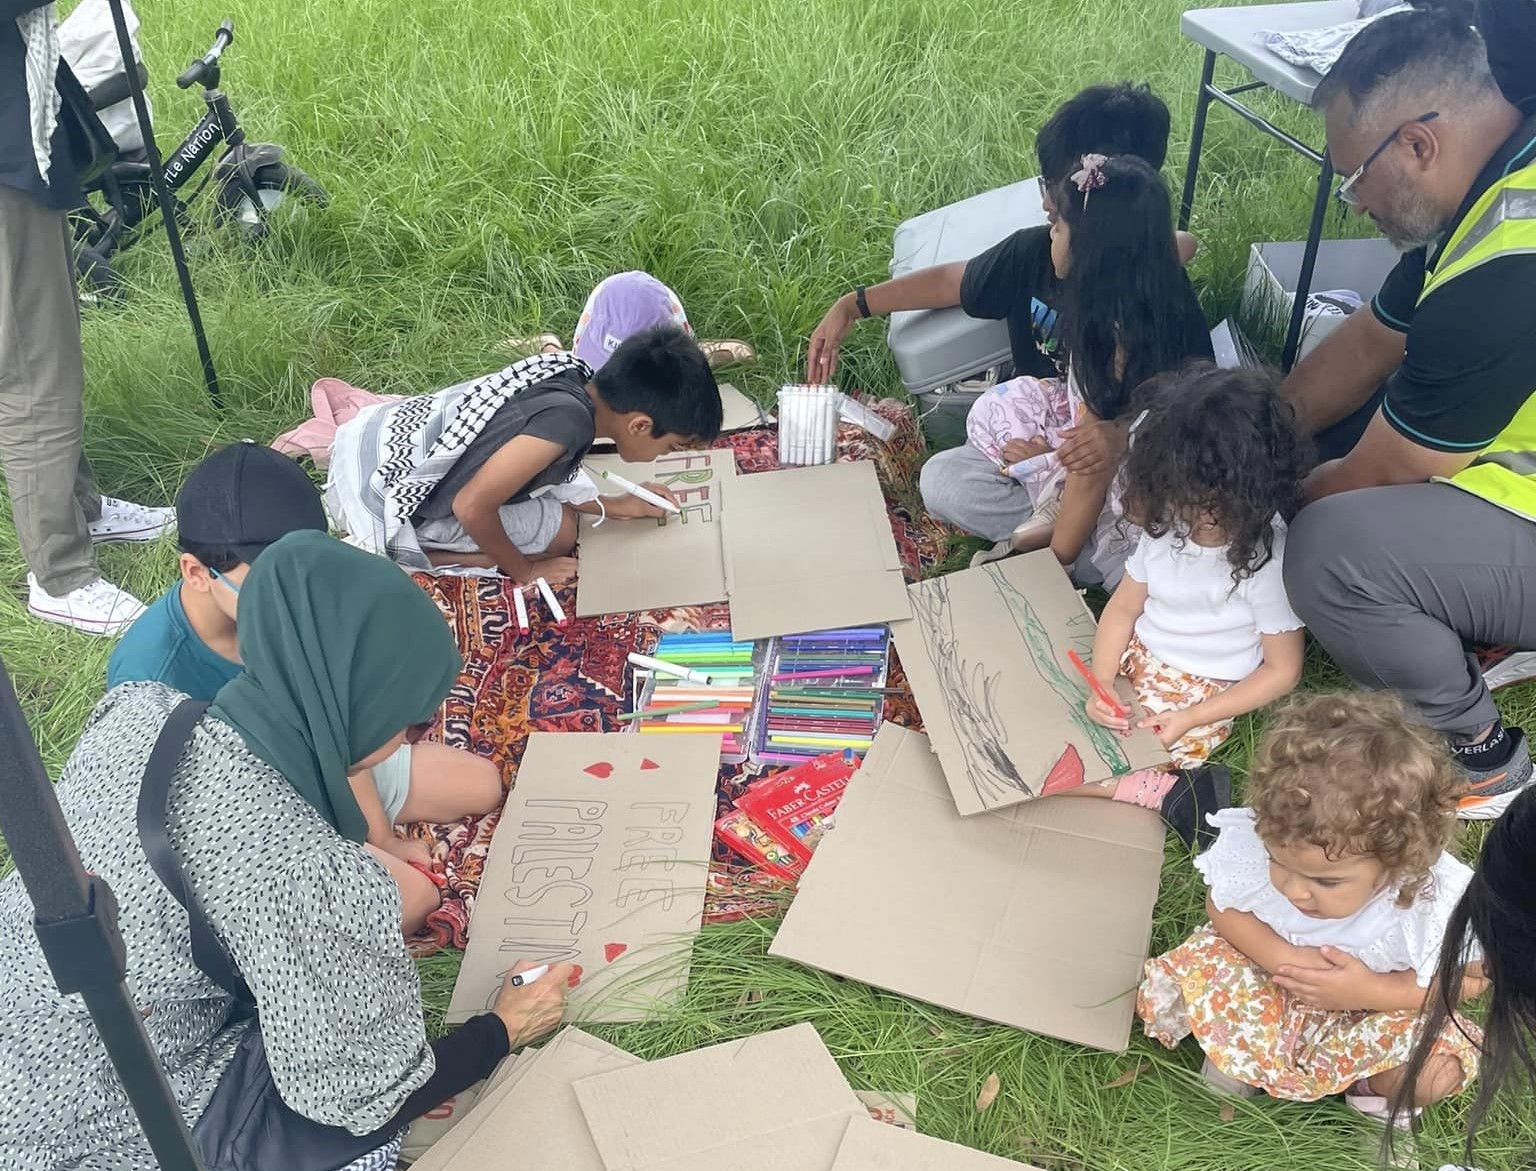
(42, 382)
(1395, 581)
(962, 487)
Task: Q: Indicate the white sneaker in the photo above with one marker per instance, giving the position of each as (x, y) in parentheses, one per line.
(99, 608)
(1028, 536)
(996, 553)
(123, 520)
(1503, 668)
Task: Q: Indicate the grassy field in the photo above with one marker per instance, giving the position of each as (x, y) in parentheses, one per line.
(489, 162)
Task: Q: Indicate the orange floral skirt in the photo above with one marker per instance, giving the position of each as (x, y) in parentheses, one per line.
(1255, 1032)
(1160, 688)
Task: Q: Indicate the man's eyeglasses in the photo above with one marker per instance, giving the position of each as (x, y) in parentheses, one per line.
(1346, 190)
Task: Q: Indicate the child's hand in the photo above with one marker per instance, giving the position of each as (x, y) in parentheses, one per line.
(1343, 984)
(633, 508)
(1100, 713)
(1170, 727)
(1091, 448)
(1019, 450)
(556, 571)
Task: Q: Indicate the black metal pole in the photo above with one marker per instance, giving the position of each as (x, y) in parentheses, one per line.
(1308, 262)
(76, 921)
(1197, 138)
(167, 203)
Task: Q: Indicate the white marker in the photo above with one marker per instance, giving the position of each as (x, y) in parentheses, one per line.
(529, 976)
(552, 603)
(645, 494)
(1028, 466)
(522, 608)
(687, 673)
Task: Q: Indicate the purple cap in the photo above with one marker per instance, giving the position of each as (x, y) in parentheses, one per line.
(620, 307)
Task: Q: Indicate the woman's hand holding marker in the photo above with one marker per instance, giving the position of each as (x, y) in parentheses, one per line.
(535, 1008)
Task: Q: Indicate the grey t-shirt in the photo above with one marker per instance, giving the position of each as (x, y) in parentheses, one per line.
(557, 409)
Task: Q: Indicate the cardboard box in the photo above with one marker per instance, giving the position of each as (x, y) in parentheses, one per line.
(656, 564)
(986, 655)
(810, 549)
(1038, 916)
(601, 859)
(680, 1114)
(1274, 271)
(868, 1146)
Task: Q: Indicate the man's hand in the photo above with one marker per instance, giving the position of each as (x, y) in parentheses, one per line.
(827, 340)
(534, 1009)
(1091, 447)
(1341, 984)
(629, 507)
(1018, 450)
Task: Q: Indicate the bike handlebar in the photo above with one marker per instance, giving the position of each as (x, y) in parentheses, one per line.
(198, 70)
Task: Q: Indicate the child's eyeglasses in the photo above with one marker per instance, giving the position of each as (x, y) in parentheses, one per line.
(1345, 193)
(234, 587)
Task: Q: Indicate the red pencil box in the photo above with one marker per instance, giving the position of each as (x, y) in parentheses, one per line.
(796, 806)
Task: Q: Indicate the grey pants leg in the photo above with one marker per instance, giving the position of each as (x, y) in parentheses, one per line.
(42, 382)
(1393, 581)
(963, 487)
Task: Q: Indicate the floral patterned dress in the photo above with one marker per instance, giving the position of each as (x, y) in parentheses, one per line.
(1254, 1031)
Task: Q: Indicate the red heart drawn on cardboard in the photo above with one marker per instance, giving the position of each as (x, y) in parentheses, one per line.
(575, 977)
(612, 951)
(602, 770)
(646, 764)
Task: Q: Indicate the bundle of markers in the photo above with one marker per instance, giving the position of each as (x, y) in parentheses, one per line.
(696, 684)
(822, 692)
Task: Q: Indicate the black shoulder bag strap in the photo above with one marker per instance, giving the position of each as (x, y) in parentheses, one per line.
(208, 952)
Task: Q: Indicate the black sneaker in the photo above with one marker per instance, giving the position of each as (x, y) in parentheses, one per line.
(1197, 793)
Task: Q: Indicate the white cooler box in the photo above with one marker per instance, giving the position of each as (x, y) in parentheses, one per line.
(1269, 290)
(934, 347)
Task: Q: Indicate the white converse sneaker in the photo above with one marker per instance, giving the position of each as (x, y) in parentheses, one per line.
(99, 608)
(123, 520)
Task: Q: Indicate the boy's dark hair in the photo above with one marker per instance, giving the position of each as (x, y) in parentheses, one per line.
(1217, 445)
(1431, 51)
(1119, 119)
(220, 558)
(1498, 911)
(661, 372)
(1125, 292)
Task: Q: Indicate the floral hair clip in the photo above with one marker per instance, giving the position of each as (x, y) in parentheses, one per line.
(1091, 175)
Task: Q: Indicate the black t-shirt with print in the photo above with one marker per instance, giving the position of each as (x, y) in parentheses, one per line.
(1470, 362)
(1014, 281)
(557, 409)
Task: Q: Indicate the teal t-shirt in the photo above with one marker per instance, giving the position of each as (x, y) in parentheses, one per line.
(162, 647)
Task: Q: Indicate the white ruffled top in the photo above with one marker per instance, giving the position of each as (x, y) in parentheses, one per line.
(1382, 935)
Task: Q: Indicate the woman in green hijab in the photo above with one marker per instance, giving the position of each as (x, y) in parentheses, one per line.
(342, 654)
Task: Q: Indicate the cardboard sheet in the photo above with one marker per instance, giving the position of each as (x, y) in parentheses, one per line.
(432, 1126)
(654, 564)
(891, 1109)
(810, 549)
(1038, 916)
(680, 1114)
(537, 1115)
(868, 1146)
(600, 859)
(986, 654)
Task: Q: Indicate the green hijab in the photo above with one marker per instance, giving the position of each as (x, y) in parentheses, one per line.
(342, 651)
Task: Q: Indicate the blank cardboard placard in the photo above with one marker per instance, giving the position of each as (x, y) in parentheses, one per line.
(681, 1114)
(670, 561)
(600, 859)
(1038, 916)
(810, 549)
(538, 1116)
(432, 1126)
(869, 1146)
(986, 655)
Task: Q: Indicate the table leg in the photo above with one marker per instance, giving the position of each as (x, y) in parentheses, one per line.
(1308, 261)
(1197, 139)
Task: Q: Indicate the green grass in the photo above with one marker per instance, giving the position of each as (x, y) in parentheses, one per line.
(489, 162)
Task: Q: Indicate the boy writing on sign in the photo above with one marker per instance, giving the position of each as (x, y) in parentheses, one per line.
(488, 473)
(238, 501)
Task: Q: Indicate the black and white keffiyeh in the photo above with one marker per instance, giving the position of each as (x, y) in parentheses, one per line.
(389, 459)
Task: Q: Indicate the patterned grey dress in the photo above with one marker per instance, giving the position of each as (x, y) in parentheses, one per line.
(312, 921)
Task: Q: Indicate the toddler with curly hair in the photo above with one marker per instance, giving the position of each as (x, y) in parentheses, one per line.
(1200, 623)
(1328, 901)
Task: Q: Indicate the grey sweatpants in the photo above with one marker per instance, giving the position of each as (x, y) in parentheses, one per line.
(964, 488)
(42, 382)
(1394, 581)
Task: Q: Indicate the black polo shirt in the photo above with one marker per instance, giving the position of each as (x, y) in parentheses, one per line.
(18, 162)
(1470, 363)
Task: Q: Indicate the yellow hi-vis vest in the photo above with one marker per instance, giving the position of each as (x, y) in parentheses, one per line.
(1501, 223)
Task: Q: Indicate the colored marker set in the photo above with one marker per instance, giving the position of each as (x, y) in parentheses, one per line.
(821, 692)
(699, 684)
(808, 424)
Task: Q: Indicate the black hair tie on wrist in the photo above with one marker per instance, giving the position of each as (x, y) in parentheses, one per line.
(859, 300)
